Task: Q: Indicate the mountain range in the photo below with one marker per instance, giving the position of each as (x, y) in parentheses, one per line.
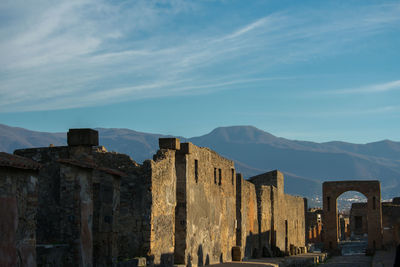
(305, 164)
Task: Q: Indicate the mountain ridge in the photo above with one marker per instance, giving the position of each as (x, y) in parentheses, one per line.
(305, 164)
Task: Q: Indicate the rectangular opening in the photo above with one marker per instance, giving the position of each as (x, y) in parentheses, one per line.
(196, 170)
(233, 176)
(215, 175)
(358, 222)
(286, 227)
(286, 237)
(220, 176)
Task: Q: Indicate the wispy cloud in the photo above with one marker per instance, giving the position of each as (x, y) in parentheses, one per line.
(59, 55)
(370, 89)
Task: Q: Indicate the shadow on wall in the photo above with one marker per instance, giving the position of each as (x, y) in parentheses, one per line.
(166, 259)
(201, 261)
(261, 245)
(200, 257)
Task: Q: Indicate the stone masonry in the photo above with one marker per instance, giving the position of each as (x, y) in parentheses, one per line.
(187, 205)
(18, 203)
(372, 190)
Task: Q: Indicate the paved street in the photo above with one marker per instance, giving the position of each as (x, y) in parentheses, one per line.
(349, 261)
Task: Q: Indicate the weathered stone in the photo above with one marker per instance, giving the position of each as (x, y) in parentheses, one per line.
(187, 148)
(206, 208)
(169, 143)
(83, 137)
(370, 189)
(186, 206)
(18, 203)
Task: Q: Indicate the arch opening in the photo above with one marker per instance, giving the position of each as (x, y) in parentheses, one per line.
(335, 193)
(352, 223)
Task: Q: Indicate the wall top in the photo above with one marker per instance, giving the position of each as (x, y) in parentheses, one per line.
(13, 161)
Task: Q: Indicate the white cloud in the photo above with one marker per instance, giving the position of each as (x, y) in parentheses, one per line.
(375, 88)
(58, 54)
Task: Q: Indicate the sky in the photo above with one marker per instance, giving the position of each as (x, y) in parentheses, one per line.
(304, 70)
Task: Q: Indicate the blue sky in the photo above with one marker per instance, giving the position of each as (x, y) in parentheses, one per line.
(308, 70)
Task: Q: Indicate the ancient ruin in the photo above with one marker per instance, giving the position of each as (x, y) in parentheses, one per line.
(314, 225)
(370, 189)
(187, 205)
(390, 221)
(18, 201)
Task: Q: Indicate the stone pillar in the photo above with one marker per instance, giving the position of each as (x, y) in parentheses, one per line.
(330, 220)
(374, 217)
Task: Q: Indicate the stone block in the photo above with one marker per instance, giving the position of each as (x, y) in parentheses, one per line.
(169, 143)
(83, 137)
(236, 253)
(187, 148)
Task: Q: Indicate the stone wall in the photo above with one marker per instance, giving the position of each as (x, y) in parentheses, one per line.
(358, 212)
(76, 213)
(206, 215)
(247, 218)
(295, 216)
(284, 230)
(163, 190)
(78, 206)
(185, 206)
(147, 205)
(18, 202)
(266, 217)
(391, 223)
(135, 204)
(106, 202)
(48, 217)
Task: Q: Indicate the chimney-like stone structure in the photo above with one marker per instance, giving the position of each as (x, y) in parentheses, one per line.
(169, 143)
(81, 141)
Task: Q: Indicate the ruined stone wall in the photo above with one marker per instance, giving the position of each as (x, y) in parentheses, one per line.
(106, 201)
(286, 231)
(48, 213)
(210, 205)
(359, 210)
(135, 204)
(69, 231)
(247, 217)
(76, 208)
(314, 226)
(18, 202)
(266, 217)
(295, 216)
(163, 190)
(147, 205)
(390, 221)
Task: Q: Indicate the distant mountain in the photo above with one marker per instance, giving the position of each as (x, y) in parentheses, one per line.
(305, 164)
(12, 138)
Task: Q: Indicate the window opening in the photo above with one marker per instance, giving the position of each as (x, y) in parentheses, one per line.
(196, 170)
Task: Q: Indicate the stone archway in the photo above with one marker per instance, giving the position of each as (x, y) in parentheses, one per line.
(372, 191)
